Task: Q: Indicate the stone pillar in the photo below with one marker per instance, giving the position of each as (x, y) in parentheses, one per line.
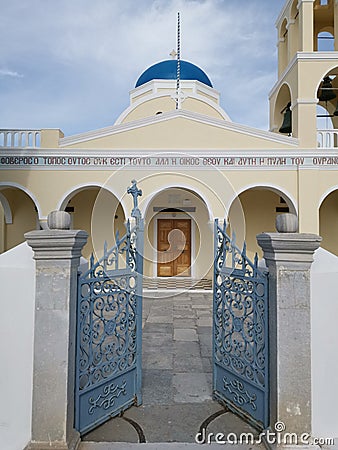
(289, 256)
(57, 252)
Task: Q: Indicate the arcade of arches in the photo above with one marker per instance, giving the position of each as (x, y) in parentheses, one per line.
(99, 212)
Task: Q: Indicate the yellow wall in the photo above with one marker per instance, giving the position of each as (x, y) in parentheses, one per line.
(24, 217)
(150, 108)
(185, 133)
(259, 207)
(94, 212)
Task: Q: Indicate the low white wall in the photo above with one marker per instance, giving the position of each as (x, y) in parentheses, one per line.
(17, 298)
(324, 311)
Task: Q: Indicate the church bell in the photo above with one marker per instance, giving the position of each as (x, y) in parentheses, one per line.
(327, 93)
(287, 121)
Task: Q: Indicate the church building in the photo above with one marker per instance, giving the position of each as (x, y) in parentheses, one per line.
(192, 163)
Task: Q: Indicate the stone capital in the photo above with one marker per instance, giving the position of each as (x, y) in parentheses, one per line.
(56, 244)
(289, 248)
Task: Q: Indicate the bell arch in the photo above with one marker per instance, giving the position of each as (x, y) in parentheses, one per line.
(326, 92)
(294, 43)
(283, 46)
(324, 25)
(324, 121)
(282, 105)
(325, 42)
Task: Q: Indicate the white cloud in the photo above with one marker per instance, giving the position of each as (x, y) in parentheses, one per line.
(81, 58)
(10, 73)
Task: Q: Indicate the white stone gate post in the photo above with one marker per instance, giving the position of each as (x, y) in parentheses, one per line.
(289, 257)
(57, 253)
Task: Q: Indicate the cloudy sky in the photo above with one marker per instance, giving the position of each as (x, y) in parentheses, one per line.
(70, 64)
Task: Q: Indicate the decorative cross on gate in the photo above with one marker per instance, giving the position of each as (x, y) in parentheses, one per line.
(135, 192)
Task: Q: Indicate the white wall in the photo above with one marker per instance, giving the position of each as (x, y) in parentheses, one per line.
(324, 304)
(17, 298)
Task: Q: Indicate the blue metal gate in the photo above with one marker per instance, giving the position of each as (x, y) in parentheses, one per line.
(109, 329)
(240, 331)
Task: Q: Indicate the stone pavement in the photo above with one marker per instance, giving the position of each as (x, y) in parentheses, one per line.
(177, 380)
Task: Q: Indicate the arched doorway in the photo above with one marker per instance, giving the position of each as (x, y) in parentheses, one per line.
(179, 236)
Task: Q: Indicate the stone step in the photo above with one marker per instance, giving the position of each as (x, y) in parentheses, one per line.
(177, 283)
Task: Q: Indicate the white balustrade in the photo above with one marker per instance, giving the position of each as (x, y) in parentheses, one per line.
(32, 138)
(327, 138)
(20, 138)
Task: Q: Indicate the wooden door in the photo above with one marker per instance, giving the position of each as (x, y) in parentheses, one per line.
(173, 247)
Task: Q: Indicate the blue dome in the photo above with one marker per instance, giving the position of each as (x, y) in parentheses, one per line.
(167, 70)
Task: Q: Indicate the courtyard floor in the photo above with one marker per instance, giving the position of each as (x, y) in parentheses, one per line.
(177, 380)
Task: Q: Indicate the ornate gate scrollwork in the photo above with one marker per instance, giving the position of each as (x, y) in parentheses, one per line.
(109, 327)
(240, 330)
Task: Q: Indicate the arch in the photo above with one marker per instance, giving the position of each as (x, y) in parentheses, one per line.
(20, 212)
(326, 194)
(331, 71)
(283, 98)
(283, 29)
(171, 207)
(81, 187)
(260, 204)
(325, 41)
(133, 106)
(294, 9)
(97, 210)
(324, 25)
(282, 192)
(150, 198)
(330, 105)
(294, 35)
(9, 184)
(323, 123)
(283, 46)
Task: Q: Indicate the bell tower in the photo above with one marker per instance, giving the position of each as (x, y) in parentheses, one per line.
(307, 73)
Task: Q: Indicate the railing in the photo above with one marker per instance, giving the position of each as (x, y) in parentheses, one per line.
(32, 138)
(20, 138)
(327, 138)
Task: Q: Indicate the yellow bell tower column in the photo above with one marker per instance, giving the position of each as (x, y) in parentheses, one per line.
(306, 30)
(305, 8)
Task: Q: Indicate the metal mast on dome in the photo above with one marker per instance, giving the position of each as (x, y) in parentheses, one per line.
(178, 75)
